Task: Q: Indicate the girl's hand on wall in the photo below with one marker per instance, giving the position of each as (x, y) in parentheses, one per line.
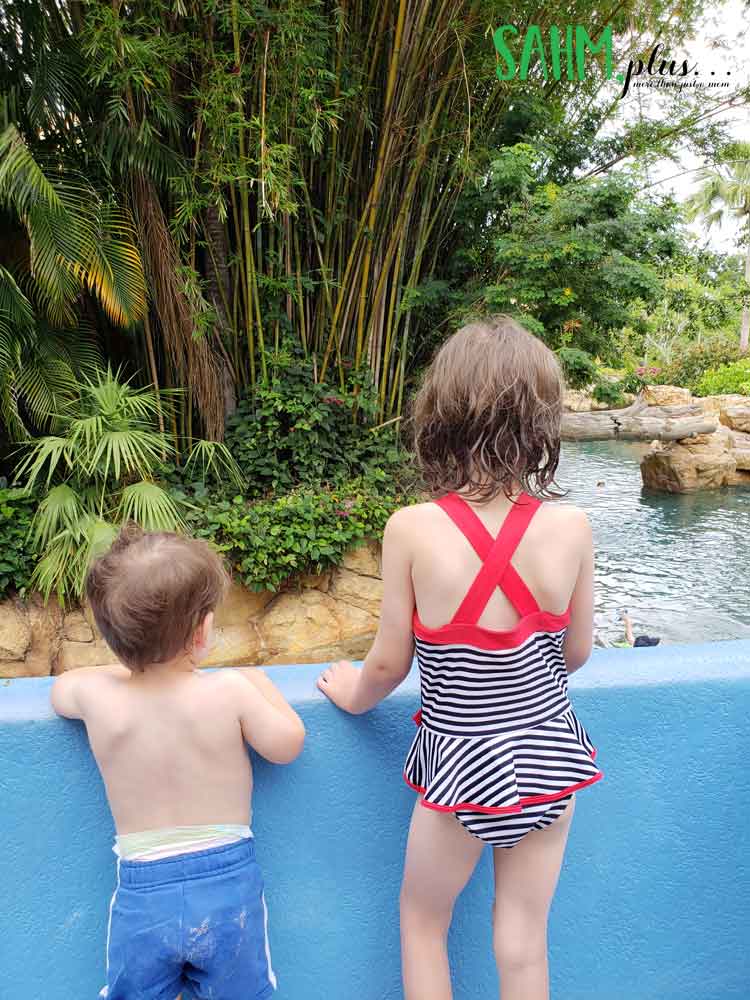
(339, 683)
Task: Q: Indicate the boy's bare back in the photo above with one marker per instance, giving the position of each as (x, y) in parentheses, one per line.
(169, 740)
(170, 748)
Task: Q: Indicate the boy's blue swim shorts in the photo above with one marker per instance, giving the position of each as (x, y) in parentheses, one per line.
(194, 924)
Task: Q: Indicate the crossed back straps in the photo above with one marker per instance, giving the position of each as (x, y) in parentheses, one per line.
(495, 553)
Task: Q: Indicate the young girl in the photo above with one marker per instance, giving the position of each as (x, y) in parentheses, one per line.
(495, 588)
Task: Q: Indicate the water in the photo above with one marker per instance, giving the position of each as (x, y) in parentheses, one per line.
(680, 564)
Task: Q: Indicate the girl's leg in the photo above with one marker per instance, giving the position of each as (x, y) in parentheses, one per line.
(440, 857)
(525, 881)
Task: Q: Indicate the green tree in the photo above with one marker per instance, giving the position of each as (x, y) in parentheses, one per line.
(63, 242)
(725, 191)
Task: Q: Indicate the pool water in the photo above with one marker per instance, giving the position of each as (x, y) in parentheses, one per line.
(680, 564)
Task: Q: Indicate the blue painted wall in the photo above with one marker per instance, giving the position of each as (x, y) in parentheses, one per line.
(654, 900)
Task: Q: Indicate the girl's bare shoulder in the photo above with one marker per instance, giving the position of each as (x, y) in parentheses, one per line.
(414, 516)
(554, 518)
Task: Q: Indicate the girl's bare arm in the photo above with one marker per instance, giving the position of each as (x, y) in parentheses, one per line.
(390, 657)
(580, 635)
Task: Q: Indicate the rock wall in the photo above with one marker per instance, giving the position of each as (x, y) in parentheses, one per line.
(326, 617)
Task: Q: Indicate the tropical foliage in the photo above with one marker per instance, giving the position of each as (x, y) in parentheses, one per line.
(93, 473)
(305, 531)
(294, 430)
(726, 191)
(236, 233)
(17, 558)
(726, 379)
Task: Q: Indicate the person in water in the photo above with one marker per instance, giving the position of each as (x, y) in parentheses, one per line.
(495, 589)
(189, 912)
(632, 640)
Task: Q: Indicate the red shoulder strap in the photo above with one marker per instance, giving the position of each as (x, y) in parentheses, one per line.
(496, 554)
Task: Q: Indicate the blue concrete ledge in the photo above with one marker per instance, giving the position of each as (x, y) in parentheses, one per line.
(654, 899)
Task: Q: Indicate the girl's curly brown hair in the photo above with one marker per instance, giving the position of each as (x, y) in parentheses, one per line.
(487, 417)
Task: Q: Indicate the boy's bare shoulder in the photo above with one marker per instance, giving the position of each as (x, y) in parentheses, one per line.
(78, 692)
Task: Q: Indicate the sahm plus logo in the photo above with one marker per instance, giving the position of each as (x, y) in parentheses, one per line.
(569, 52)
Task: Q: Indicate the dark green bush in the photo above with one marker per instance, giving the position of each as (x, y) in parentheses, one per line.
(294, 430)
(305, 531)
(687, 370)
(610, 393)
(579, 368)
(17, 559)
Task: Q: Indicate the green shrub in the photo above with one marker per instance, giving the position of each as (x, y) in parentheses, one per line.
(633, 382)
(610, 393)
(726, 379)
(687, 370)
(17, 559)
(305, 531)
(579, 368)
(294, 431)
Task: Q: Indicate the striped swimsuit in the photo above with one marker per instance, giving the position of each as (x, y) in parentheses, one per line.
(498, 742)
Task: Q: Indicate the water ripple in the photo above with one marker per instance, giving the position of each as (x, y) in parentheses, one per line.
(679, 563)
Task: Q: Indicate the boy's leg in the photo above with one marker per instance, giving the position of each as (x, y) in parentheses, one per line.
(525, 881)
(440, 858)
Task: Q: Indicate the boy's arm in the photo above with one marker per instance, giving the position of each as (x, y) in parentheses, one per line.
(392, 652)
(579, 638)
(66, 690)
(269, 723)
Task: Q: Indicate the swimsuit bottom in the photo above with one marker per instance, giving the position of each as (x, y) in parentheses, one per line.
(510, 829)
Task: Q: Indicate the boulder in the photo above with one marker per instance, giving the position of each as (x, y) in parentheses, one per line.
(327, 616)
(737, 417)
(76, 628)
(581, 401)
(364, 559)
(15, 632)
(364, 592)
(83, 654)
(588, 427)
(717, 405)
(241, 606)
(698, 463)
(235, 645)
(297, 625)
(577, 401)
(665, 395)
(741, 450)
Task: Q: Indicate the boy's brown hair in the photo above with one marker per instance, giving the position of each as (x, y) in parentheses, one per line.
(151, 591)
(487, 417)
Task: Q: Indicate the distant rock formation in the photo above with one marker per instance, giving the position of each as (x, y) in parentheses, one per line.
(696, 443)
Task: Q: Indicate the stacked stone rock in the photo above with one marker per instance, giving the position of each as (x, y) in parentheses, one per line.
(318, 618)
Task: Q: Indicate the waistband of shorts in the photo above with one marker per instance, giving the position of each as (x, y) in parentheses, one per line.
(183, 867)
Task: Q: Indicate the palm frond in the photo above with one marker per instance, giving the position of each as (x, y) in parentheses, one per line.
(63, 568)
(16, 317)
(150, 506)
(49, 452)
(213, 457)
(131, 451)
(61, 510)
(112, 268)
